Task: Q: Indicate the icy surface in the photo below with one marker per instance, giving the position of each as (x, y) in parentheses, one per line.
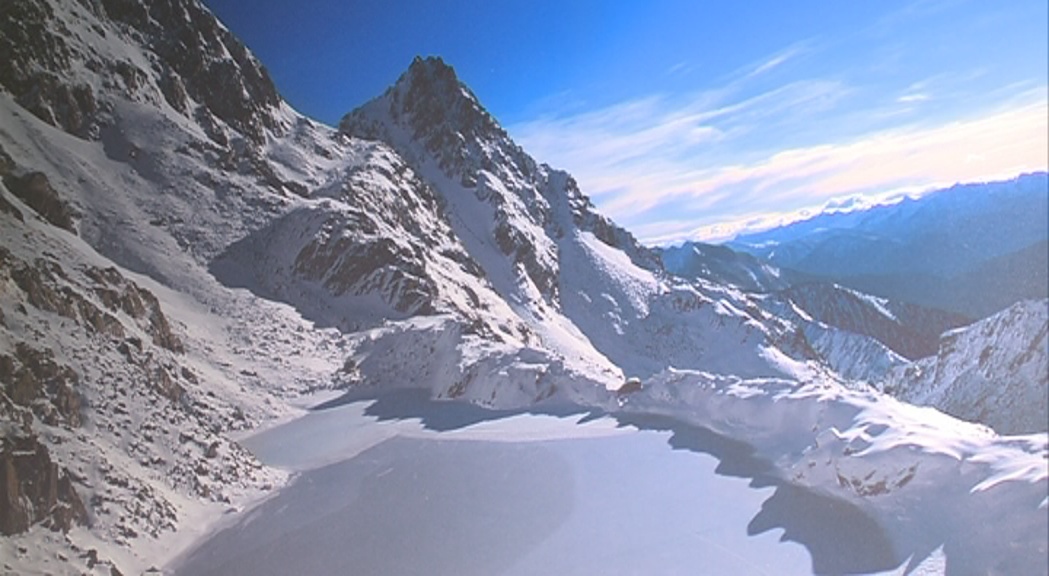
(450, 489)
(418, 247)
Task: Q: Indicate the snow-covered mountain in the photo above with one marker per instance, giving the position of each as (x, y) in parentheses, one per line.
(163, 162)
(995, 371)
(722, 264)
(184, 257)
(909, 330)
(575, 278)
(936, 251)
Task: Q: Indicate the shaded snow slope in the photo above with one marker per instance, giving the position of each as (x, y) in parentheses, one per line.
(995, 371)
(909, 330)
(722, 264)
(146, 158)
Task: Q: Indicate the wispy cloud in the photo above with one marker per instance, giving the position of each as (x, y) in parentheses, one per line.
(658, 138)
(775, 61)
(913, 97)
(679, 68)
(712, 165)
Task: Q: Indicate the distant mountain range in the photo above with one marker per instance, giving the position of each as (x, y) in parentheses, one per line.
(910, 330)
(184, 257)
(972, 249)
(716, 263)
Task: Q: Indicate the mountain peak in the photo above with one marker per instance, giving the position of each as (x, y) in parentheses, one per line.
(429, 115)
(433, 106)
(431, 87)
(430, 67)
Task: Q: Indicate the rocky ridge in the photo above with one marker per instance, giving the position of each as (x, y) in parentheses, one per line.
(544, 248)
(995, 371)
(225, 257)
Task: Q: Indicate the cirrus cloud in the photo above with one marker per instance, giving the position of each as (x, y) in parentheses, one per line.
(711, 166)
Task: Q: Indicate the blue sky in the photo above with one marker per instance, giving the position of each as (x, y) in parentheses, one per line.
(697, 119)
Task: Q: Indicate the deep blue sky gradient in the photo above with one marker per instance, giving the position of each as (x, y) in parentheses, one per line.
(679, 113)
(328, 56)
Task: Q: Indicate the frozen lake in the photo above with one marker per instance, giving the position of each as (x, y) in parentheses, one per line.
(407, 486)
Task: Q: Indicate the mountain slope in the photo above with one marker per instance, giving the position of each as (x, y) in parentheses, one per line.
(138, 140)
(909, 330)
(185, 258)
(565, 269)
(941, 250)
(114, 400)
(989, 287)
(724, 265)
(995, 371)
(942, 233)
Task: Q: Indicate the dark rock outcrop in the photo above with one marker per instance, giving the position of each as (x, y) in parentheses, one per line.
(193, 58)
(909, 330)
(35, 66)
(48, 287)
(117, 293)
(35, 190)
(33, 379)
(34, 489)
(345, 263)
(203, 60)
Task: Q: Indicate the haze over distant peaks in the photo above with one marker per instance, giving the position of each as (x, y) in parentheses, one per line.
(184, 259)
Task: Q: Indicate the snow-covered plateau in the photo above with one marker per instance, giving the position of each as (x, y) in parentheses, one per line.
(210, 303)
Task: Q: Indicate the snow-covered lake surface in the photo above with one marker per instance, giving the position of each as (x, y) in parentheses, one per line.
(402, 485)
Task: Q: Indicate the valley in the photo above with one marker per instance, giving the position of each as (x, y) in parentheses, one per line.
(203, 292)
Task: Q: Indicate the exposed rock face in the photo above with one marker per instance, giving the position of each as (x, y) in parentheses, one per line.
(120, 294)
(97, 408)
(444, 116)
(33, 489)
(201, 60)
(995, 371)
(430, 116)
(344, 264)
(47, 286)
(35, 190)
(444, 120)
(198, 60)
(909, 330)
(33, 375)
(35, 66)
(397, 259)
